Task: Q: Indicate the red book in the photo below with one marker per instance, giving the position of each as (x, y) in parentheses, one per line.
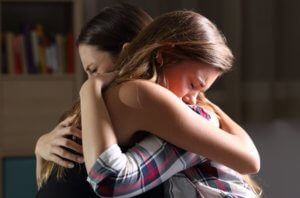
(70, 53)
(17, 54)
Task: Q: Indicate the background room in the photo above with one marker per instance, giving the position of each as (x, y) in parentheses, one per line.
(41, 78)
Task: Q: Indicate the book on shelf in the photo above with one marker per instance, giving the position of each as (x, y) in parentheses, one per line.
(35, 51)
(23, 56)
(41, 49)
(29, 49)
(70, 53)
(3, 69)
(17, 54)
(61, 52)
(9, 52)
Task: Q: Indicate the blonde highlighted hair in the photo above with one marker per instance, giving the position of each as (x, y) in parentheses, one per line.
(201, 101)
(177, 35)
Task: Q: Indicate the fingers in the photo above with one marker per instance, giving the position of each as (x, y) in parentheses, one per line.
(68, 121)
(70, 144)
(65, 155)
(61, 162)
(71, 131)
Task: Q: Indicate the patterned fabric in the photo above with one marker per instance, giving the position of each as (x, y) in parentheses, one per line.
(154, 161)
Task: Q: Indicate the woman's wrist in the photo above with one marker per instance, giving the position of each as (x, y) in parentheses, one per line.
(91, 87)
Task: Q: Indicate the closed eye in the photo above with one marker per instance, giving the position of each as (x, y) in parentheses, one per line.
(196, 85)
(93, 71)
(192, 86)
(201, 82)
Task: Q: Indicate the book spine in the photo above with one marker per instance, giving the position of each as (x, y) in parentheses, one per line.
(61, 52)
(29, 50)
(35, 50)
(41, 49)
(17, 55)
(70, 53)
(3, 55)
(23, 56)
(54, 57)
(9, 52)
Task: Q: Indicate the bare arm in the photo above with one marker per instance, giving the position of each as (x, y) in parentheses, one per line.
(233, 148)
(98, 125)
(154, 104)
(146, 165)
(98, 134)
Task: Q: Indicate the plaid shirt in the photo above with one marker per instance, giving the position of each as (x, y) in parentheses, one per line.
(154, 161)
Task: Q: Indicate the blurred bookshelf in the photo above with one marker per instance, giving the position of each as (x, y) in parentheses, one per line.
(40, 71)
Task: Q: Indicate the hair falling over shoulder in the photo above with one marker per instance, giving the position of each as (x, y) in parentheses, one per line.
(49, 167)
(177, 35)
(108, 31)
(253, 185)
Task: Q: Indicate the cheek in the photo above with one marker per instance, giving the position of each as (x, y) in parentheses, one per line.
(175, 80)
(178, 86)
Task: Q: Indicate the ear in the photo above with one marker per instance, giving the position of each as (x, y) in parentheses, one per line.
(159, 58)
(125, 46)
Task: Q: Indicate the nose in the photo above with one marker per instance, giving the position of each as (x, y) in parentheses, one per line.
(190, 98)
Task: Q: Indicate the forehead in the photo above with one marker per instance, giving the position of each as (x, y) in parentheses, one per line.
(198, 68)
(89, 54)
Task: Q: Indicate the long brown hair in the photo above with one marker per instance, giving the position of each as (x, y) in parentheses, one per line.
(177, 35)
(107, 31)
(201, 101)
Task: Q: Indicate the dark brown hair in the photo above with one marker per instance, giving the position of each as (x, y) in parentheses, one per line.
(177, 35)
(108, 31)
(113, 27)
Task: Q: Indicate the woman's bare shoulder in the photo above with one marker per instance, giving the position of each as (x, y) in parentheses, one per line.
(140, 92)
(141, 85)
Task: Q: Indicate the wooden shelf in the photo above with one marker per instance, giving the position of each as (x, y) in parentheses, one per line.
(31, 104)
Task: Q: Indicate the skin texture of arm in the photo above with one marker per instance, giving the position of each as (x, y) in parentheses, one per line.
(137, 99)
(93, 108)
(148, 164)
(137, 105)
(110, 158)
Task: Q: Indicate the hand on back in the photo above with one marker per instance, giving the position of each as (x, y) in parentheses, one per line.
(54, 146)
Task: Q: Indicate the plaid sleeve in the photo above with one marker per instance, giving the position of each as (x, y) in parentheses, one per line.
(146, 165)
